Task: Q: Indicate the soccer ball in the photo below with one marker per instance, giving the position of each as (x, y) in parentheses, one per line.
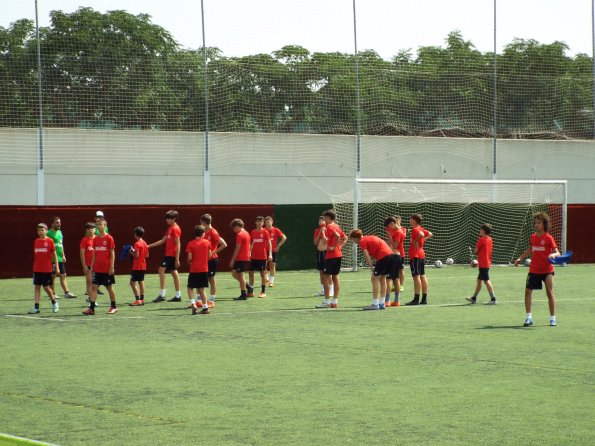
(438, 264)
(474, 263)
(450, 261)
(527, 262)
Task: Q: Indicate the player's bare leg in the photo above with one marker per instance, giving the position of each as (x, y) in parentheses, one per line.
(263, 282)
(212, 286)
(401, 278)
(161, 272)
(528, 299)
(176, 277)
(551, 298)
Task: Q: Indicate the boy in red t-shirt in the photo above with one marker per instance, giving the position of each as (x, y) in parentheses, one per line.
(171, 260)
(483, 249)
(417, 260)
(260, 252)
(199, 253)
(102, 265)
(240, 256)
(139, 253)
(217, 245)
(278, 239)
(86, 254)
(395, 235)
(44, 254)
(542, 247)
(335, 240)
(383, 266)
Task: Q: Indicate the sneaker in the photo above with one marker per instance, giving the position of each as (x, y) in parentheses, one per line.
(89, 302)
(250, 293)
(382, 306)
(413, 302)
(159, 299)
(175, 299)
(89, 312)
(261, 295)
(194, 309)
(34, 311)
(323, 305)
(211, 304)
(320, 293)
(371, 307)
(57, 297)
(491, 302)
(553, 322)
(471, 300)
(55, 307)
(333, 305)
(241, 298)
(424, 302)
(204, 311)
(70, 295)
(111, 310)
(396, 303)
(271, 285)
(528, 322)
(137, 303)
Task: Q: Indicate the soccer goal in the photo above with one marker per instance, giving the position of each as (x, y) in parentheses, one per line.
(454, 210)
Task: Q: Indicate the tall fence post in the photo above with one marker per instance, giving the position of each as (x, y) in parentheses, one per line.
(40, 162)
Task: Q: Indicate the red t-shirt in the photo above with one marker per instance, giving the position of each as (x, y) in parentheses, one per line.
(140, 263)
(199, 248)
(213, 237)
(102, 247)
(274, 234)
(419, 252)
(43, 253)
(402, 245)
(333, 234)
(484, 251)
(398, 236)
(87, 245)
(375, 246)
(173, 232)
(243, 240)
(259, 240)
(542, 247)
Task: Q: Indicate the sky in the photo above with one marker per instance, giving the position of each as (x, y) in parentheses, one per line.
(243, 27)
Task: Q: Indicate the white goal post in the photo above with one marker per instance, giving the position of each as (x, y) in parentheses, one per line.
(454, 210)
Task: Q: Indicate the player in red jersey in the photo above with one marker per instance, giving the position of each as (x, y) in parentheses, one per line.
(103, 268)
(483, 249)
(86, 254)
(335, 240)
(44, 254)
(217, 245)
(395, 235)
(199, 253)
(260, 253)
(542, 247)
(240, 256)
(384, 264)
(320, 243)
(171, 260)
(139, 253)
(278, 239)
(417, 260)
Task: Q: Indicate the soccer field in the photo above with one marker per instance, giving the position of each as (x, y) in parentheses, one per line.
(277, 371)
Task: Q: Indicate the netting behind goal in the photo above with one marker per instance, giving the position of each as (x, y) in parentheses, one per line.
(454, 211)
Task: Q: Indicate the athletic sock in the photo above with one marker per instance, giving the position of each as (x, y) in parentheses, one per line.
(492, 296)
(162, 292)
(424, 297)
(262, 288)
(375, 301)
(334, 301)
(529, 315)
(193, 302)
(141, 297)
(92, 305)
(272, 279)
(243, 293)
(37, 306)
(397, 294)
(212, 298)
(113, 304)
(416, 297)
(178, 294)
(326, 301)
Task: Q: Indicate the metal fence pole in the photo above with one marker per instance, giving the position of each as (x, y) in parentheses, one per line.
(40, 166)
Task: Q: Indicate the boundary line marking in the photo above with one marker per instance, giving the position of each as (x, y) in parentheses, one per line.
(23, 439)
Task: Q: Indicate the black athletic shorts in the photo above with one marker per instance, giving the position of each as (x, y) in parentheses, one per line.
(274, 256)
(397, 266)
(169, 262)
(213, 266)
(417, 266)
(320, 260)
(198, 280)
(484, 274)
(257, 265)
(534, 281)
(332, 267)
(137, 275)
(240, 266)
(104, 279)
(43, 279)
(385, 266)
(61, 268)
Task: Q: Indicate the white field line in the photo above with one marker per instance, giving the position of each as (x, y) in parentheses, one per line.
(38, 318)
(27, 440)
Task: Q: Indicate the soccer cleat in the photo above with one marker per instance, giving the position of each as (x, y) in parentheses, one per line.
(251, 294)
(323, 305)
(204, 311)
(381, 306)
(271, 285)
(241, 298)
(371, 307)
(396, 303)
(69, 295)
(413, 302)
(89, 312)
(528, 322)
(424, 302)
(491, 302)
(175, 299)
(55, 307)
(158, 299)
(471, 300)
(333, 306)
(261, 295)
(137, 303)
(34, 311)
(111, 310)
(211, 304)
(553, 322)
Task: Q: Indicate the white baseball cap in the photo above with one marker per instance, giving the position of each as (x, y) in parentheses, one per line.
(99, 214)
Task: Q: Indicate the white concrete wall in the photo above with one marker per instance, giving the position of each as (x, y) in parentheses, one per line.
(146, 167)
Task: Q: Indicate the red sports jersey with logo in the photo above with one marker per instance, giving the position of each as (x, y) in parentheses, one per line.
(419, 251)
(213, 237)
(199, 248)
(274, 234)
(484, 251)
(172, 233)
(87, 245)
(43, 252)
(140, 263)
(102, 247)
(398, 237)
(243, 241)
(542, 247)
(375, 246)
(259, 238)
(333, 234)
